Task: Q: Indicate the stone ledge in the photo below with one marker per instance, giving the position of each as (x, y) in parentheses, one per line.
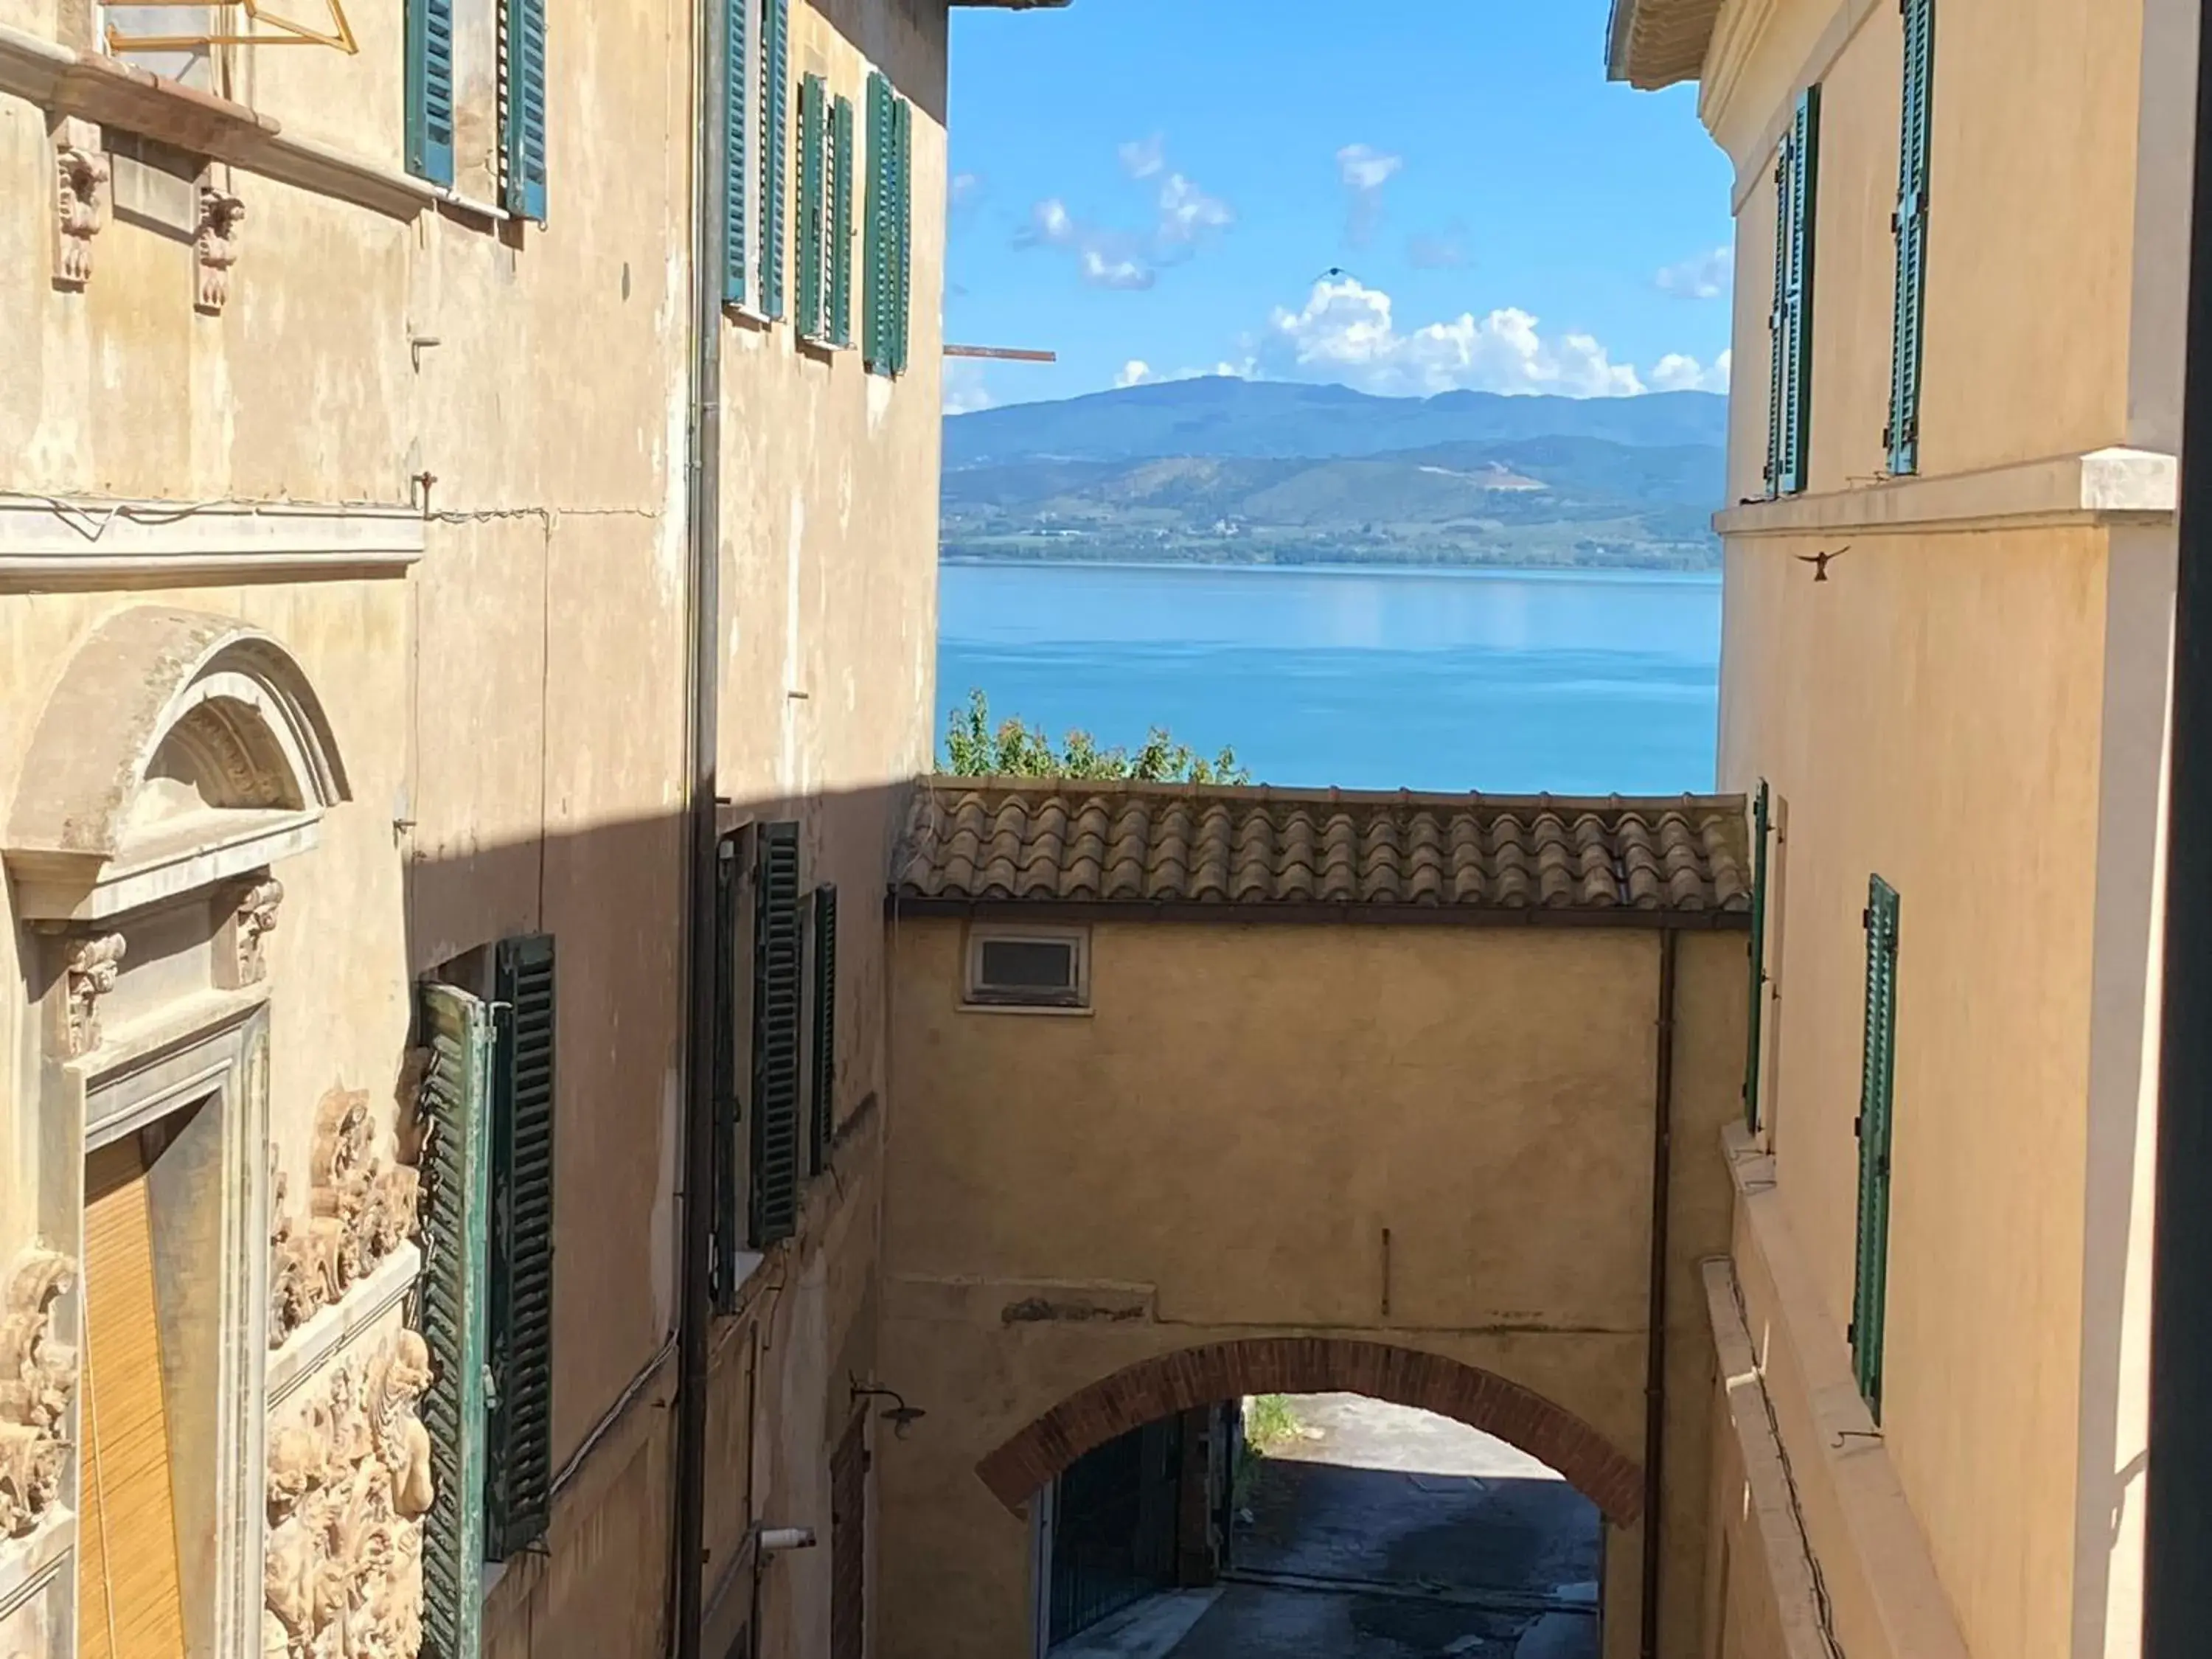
(52, 541)
(338, 1327)
(2104, 487)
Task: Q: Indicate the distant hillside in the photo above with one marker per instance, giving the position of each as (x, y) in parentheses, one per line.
(1275, 419)
(1557, 499)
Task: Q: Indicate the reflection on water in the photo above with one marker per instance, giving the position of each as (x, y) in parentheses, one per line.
(1509, 681)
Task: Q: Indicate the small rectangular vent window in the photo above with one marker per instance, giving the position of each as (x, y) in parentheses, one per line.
(1029, 969)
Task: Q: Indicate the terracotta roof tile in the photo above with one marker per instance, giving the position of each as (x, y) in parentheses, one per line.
(991, 839)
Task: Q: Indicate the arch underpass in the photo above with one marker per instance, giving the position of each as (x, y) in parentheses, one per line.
(1208, 1093)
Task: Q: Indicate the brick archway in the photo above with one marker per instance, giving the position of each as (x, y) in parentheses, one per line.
(1172, 1382)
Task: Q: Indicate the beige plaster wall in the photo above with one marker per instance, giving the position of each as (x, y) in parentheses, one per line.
(1218, 1145)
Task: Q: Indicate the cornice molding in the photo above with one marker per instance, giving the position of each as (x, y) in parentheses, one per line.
(48, 542)
(2104, 487)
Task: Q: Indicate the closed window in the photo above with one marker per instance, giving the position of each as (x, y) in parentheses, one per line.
(1029, 968)
(475, 99)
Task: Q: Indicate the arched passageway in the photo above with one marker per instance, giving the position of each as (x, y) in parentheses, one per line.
(1169, 1383)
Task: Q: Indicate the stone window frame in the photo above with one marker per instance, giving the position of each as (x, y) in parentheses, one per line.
(978, 996)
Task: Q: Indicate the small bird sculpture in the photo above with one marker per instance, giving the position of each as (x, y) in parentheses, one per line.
(1819, 561)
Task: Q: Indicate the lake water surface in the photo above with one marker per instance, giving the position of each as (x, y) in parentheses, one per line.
(1511, 682)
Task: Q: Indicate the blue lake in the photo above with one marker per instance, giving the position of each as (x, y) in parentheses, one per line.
(1511, 682)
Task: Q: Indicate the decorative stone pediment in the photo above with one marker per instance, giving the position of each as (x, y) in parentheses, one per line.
(180, 749)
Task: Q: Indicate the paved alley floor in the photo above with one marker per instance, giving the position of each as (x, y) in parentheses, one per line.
(1386, 1533)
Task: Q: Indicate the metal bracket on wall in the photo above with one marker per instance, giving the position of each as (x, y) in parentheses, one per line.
(283, 31)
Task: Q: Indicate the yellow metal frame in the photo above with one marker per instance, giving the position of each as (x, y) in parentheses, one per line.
(288, 32)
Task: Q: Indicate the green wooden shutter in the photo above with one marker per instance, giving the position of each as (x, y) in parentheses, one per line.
(729, 1163)
(902, 303)
(430, 90)
(813, 139)
(874, 282)
(520, 1495)
(1761, 827)
(824, 1081)
(1802, 217)
(840, 223)
(736, 94)
(1877, 1094)
(1911, 227)
(525, 110)
(1777, 320)
(450, 1312)
(778, 991)
(776, 149)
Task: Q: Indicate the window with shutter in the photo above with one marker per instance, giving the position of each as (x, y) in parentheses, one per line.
(452, 1306)
(1797, 216)
(1911, 227)
(875, 282)
(430, 90)
(1877, 1092)
(730, 1212)
(519, 1491)
(840, 223)
(737, 105)
(524, 50)
(813, 236)
(775, 149)
(903, 209)
(1761, 835)
(822, 1080)
(778, 992)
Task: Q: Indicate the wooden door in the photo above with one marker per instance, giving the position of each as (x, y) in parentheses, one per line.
(129, 1603)
(848, 1544)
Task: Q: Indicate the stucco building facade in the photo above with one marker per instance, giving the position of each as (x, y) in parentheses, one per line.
(1950, 546)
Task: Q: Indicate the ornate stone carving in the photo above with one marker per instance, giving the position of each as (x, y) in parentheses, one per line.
(255, 919)
(361, 1207)
(216, 248)
(90, 968)
(82, 205)
(348, 1485)
(37, 1382)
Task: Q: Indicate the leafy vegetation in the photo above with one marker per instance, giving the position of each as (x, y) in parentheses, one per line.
(1269, 1421)
(976, 747)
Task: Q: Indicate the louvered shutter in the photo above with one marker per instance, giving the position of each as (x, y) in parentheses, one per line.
(519, 1493)
(523, 26)
(1761, 827)
(1801, 215)
(778, 992)
(729, 1163)
(1911, 226)
(1777, 320)
(1877, 1093)
(813, 138)
(452, 1312)
(775, 149)
(823, 1082)
(874, 283)
(430, 90)
(902, 303)
(737, 102)
(840, 223)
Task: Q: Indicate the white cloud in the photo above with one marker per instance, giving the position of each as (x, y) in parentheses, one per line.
(1188, 212)
(1677, 372)
(1363, 170)
(1135, 372)
(1145, 158)
(1348, 332)
(964, 188)
(964, 391)
(1707, 276)
(1104, 269)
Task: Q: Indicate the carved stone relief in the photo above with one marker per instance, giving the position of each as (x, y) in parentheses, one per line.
(360, 1208)
(90, 968)
(214, 249)
(349, 1482)
(82, 208)
(38, 1383)
(252, 921)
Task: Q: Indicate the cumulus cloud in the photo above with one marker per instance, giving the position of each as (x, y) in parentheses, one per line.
(964, 190)
(1677, 372)
(1348, 332)
(1706, 276)
(1135, 372)
(964, 391)
(1183, 216)
(1363, 170)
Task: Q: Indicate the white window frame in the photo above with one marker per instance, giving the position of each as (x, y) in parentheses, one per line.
(976, 995)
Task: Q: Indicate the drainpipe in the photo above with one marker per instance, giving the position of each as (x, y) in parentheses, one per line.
(703, 663)
(2178, 1496)
(1655, 1364)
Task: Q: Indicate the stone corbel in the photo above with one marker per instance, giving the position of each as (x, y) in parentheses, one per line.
(81, 178)
(240, 960)
(91, 964)
(38, 1383)
(214, 250)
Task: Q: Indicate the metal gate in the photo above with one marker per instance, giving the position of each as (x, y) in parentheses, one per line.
(1113, 1527)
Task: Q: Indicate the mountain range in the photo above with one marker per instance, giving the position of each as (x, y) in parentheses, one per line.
(1244, 471)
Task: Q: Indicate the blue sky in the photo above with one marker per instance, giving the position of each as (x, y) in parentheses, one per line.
(1159, 186)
